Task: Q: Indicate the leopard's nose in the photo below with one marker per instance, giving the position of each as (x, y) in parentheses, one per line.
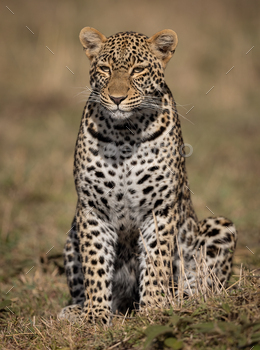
(117, 100)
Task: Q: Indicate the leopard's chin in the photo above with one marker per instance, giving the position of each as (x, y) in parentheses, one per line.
(120, 115)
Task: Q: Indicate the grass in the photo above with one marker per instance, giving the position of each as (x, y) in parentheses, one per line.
(230, 317)
(38, 127)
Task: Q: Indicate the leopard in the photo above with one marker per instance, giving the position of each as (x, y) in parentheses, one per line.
(134, 210)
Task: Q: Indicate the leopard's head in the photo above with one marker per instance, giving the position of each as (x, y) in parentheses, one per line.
(127, 69)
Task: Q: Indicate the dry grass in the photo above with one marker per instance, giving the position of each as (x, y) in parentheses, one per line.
(207, 319)
(38, 126)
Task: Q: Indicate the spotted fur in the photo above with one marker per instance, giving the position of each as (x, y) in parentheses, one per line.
(128, 165)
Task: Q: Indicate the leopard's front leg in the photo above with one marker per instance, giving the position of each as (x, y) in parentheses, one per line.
(156, 242)
(97, 242)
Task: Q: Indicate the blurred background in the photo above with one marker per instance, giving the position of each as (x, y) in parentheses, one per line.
(42, 102)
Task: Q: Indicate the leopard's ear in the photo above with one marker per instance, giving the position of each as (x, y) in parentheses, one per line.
(92, 41)
(163, 44)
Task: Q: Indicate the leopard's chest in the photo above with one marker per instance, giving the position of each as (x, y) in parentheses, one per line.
(125, 186)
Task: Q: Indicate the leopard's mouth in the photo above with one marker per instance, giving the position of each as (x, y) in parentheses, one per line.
(121, 111)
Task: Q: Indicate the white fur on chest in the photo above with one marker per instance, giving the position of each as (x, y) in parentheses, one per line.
(135, 182)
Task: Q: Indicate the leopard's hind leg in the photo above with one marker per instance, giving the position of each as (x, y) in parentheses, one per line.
(211, 250)
(219, 236)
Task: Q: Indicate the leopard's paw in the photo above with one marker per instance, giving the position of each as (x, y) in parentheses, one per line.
(72, 313)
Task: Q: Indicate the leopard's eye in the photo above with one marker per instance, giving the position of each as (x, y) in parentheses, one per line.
(138, 69)
(105, 69)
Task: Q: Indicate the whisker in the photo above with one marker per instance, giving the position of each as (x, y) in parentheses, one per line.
(183, 106)
(150, 106)
(152, 97)
(185, 118)
(148, 102)
(82, 93)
